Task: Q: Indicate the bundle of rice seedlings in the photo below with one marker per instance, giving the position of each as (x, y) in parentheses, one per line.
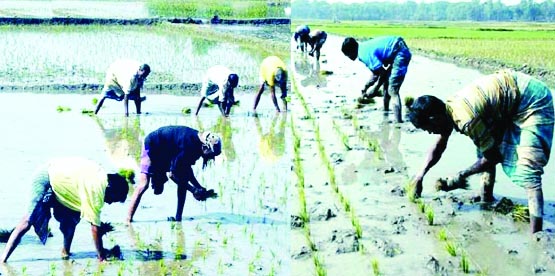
(5, 234)
(520, 213)
(451, 183)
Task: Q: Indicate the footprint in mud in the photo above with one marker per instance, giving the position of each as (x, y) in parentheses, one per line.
(387, 247)
(321, 212)
(344, 241)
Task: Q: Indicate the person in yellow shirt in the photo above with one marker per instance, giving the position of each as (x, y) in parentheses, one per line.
(273, 72)
(74, 188)
(124, 81)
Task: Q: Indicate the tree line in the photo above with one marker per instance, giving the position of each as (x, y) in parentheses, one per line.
(476, 10)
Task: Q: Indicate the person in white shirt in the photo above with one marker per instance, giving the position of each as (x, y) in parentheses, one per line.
(124, 80)
(217, 87)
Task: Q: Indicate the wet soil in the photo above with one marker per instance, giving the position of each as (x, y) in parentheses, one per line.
(370, 168)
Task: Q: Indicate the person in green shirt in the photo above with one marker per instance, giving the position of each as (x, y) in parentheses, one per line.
(74, 188)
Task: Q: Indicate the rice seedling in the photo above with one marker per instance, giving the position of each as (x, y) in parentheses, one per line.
(375, 267)
(430, 215)
(451, 248)
(442, 234)
(5, 234)
(62, 108)
(521, 213)
(87, 112)
(320, 269)
(52, 269)
(408, 101)
(421, 205)
(358, 227)
(410, 191)
(186, 110)
(465, 265)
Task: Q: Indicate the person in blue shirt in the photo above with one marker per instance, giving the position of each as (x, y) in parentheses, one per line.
(378, 54)
(170, 152)
(301, 37)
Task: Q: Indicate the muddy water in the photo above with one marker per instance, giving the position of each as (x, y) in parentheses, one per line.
(370, 177)
(242, 231)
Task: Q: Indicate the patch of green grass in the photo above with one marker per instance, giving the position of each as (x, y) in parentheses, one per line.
(222, 8)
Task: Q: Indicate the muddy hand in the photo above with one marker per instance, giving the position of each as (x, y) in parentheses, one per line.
(203, 194)
(451, 183)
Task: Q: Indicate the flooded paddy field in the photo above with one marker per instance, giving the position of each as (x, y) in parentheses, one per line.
(350, 213)
(243, 231)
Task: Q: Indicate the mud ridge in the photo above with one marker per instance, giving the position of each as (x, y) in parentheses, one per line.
(180, 89)
(489, 66)
(139, 21)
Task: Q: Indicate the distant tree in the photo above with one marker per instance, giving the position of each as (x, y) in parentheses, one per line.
(477, 10)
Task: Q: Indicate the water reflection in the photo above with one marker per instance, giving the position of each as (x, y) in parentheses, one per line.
(224, 129)
(123, 137)
(272, 141)
(389, 137)
(311, 72)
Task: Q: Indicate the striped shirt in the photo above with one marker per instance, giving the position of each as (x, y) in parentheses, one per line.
(483, 109)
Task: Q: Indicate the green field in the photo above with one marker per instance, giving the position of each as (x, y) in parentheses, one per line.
(222, 8)
(524, 46)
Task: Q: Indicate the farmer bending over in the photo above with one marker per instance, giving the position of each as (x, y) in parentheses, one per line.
(317, 38)
(171, 151)
(74, 188)
(509, 117)
(273, 72)
(124, 81)
(218, 86)
(377, 54)
(301, 37)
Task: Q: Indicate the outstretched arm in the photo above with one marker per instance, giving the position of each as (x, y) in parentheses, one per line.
(182, 180)
(373, 79)
(434, 155)
(97, 239)
(481, 165)
(199, 105)
(136, 198)
(274, 99)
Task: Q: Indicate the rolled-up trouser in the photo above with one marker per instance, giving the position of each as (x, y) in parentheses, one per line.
(111, 94)
(400, 61)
